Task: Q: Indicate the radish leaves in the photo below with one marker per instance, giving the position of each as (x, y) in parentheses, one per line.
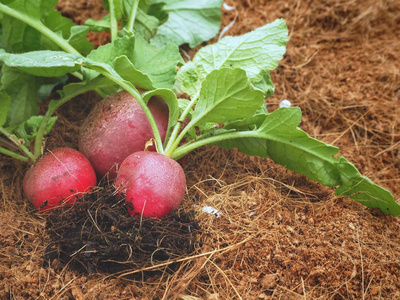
(256, 52)
(191, 22)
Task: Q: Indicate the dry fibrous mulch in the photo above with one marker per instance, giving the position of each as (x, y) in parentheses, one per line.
(279, 235)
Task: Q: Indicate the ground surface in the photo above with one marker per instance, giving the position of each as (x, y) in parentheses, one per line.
(279, 236)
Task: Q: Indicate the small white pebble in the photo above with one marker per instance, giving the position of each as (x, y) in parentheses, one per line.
(228, 7)
(351, 225)
(211, 210)
(285, 103)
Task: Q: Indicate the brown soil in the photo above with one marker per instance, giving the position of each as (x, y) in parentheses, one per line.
(279, 235)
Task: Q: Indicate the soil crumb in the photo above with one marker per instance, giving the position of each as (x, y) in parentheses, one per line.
(97, 234)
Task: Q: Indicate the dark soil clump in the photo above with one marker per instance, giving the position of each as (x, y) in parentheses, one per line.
(99, 235)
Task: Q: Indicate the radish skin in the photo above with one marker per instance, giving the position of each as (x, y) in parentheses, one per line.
(59, 177)
(154, 184)
(117, 127)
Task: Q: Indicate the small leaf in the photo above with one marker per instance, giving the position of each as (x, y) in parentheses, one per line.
(28, 130)
(226, 94)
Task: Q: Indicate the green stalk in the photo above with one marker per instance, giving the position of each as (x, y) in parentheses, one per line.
(185, 149)
(132, 16)
(174, 139)
(113, 21)
(21, 146)
(36, 24)
(13, 154)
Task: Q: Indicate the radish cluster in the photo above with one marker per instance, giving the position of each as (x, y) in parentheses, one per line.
(112, 142)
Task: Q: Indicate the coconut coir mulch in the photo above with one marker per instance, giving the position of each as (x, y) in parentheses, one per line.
(279, 235)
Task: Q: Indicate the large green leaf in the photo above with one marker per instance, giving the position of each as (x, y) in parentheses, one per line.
(191, 22)
(256, 52)
(43, 63)
(279, 138)
(226, 94)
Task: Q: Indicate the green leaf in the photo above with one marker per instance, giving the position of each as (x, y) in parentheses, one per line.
(78, 40)
(155, 10)
(29, 129)
(364, 190)
(183, 103)
(109, 52)
(139, 62)
(43, 63)
(146, 25)
(256, 52)
(265, 85)
(5, 104)
(159, 64)
(99, 25)
(191, 22)
(279, 138)
(226, 94)
(22, 88)
(127, 70)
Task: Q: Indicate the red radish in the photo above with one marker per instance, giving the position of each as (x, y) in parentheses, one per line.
(58, 177)
(117, 127)
(153, 183)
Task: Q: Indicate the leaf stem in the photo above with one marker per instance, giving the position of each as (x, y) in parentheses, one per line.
(39, 26)
(132, 15)
(185, 149)
(21, 146)
(13, 154)
(175, 137)
(113, 21)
